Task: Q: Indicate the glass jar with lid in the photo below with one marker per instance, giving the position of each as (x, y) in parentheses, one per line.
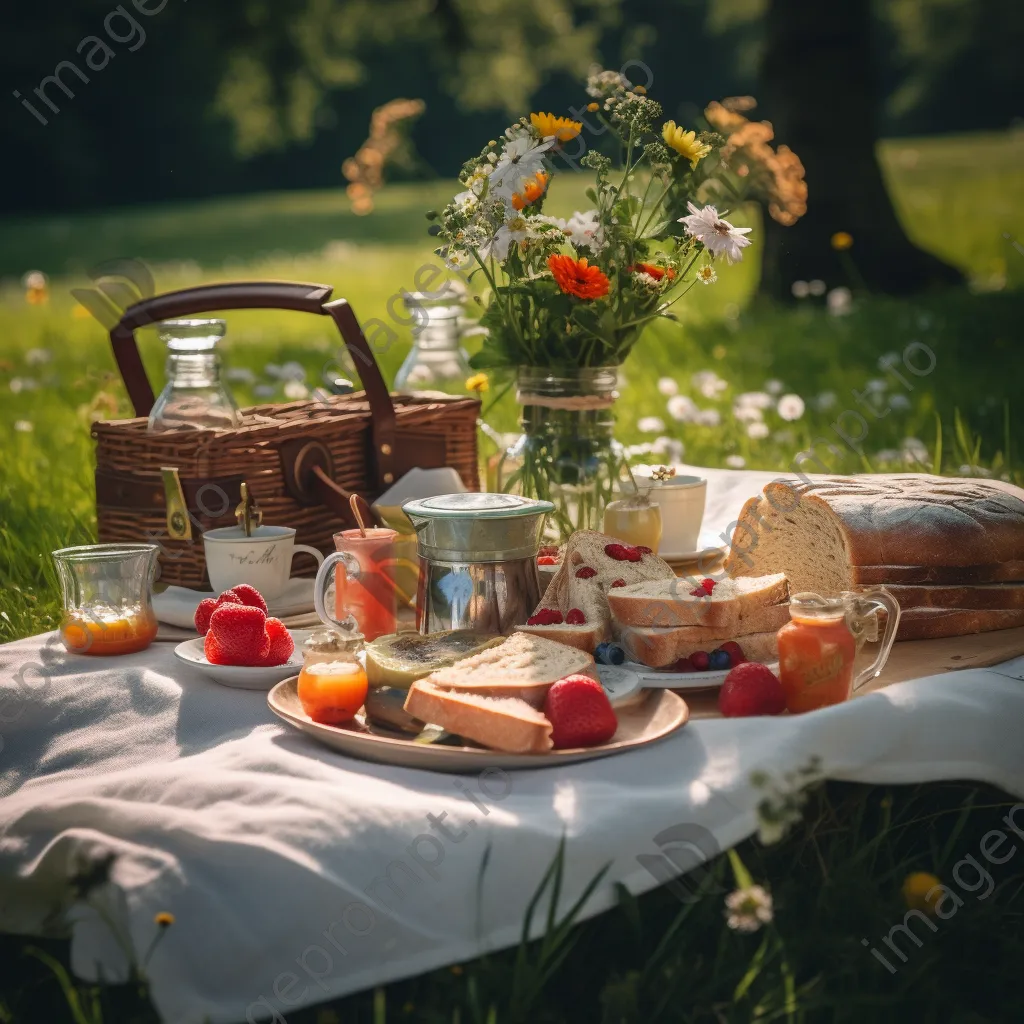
(332, 684)
(194, 397)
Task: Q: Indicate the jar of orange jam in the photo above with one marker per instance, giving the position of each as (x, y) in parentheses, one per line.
(819, 645)
(332, 684)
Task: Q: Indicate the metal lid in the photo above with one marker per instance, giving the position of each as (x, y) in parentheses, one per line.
(477, 527)
(476, 506)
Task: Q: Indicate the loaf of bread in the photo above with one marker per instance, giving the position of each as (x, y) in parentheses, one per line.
(977, 596)
(933, 623)
(836, 532)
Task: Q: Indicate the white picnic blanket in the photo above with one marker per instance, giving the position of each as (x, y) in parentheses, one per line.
(296, 874)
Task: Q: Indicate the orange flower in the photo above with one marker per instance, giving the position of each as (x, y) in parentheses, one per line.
(649, 268)
(532, 192)
(577, 277)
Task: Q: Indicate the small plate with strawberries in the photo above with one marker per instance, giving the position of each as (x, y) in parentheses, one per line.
(241, 646)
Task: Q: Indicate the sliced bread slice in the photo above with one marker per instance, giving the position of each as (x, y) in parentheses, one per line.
(934, 623)
(676, 602)
(662, 648)
(981, 595)
(499, 723)
(523, 666)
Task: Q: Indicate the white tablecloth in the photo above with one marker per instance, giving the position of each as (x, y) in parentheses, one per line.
(296, 874)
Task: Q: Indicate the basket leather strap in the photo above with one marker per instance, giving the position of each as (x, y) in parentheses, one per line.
(306, 298)
(208, 500)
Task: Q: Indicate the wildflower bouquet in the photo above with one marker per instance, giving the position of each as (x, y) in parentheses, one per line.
(578, 292)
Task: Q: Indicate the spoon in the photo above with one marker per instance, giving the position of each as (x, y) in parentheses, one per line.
(621, 682)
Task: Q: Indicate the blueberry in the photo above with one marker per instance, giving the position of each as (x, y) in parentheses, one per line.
(609, 654)
(719, 659)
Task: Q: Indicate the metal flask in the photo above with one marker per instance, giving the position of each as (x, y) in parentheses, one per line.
(478, 560)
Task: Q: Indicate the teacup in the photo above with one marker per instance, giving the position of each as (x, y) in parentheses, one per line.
(681, 499)
(263, 560)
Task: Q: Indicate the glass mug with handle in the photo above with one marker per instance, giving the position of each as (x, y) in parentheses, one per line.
(818, 646)
(364, 586)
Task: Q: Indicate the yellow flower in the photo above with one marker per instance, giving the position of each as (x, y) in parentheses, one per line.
(478, 383)
(916, 887)
(641, 89)
(841, 241)
(592, 107)
(164, 919)
(684, 143)
(560, 127)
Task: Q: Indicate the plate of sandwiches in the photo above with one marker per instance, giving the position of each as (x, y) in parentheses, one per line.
(485, 710)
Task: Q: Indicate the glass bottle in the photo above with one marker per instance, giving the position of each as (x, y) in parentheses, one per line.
(437, 360)
(634, 519)
(332, 683)
(194, 397)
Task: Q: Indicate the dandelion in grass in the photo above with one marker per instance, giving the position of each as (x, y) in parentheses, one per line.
(19, 384)
(889, 359)
(790, 407)
(746, 910)
(651, 425)
(478, 383)
(717, 235)
(916, 887)
(746, 413)
(38, 356)
(37, 287)
(800, 289)
(735, 461)
(773, 386)
(295, 390)
(706, 274)
(839, 301)
(887, 455)
(816, 287)
(757, 431)
(667, 386)
(23, 426)
(824, 401)
(669, 448)
(682, 408)
(708, 383)
(755, 399)
(876, 386)
(708, 418)
(913, 450)
(899, 402)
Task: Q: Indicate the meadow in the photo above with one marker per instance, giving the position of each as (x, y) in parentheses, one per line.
(837, 877)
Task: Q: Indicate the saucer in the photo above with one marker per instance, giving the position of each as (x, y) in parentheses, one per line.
(243, 677)
(176, 606)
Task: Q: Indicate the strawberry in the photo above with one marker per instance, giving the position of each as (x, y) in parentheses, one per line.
(618, 583)
(239, 633)
(250, 596)
(699, 660)
(229, 597)
(585, 573)
(735, 652)
(547, 560)
(281, 643)
(708, 585)
(751, 689)
(683, 665)
(545, 617)
(212, 650)
(550, 550)
(203, 613)
(575, 617)
(623, 552)
(699, 592)
(580, 713)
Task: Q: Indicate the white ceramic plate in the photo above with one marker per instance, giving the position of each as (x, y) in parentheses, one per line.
(655, 715)
(620, 681)
(242, 677)
(710, 547)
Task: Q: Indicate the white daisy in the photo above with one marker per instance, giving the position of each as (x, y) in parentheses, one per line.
(295, 389)
(887, 455)
(519, 163)
(38, 356)
(773, 386)
(914, 450)
(816, 287)
(899, 402)
(746, 413)
(800, 289)
(708, 418)
(718, 236)
(668, 447)
(516, 230)
(683, 408)
(706, 274)
(650, 425)
(708, 383)
(735, 461)
(839, 301)
(585, 229)
(791, 407)
(747, 909)
(755, 399)
(758, 431)
(667, 386)
(826, 400)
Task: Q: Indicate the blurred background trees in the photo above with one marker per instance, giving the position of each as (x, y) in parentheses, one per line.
(246, 95)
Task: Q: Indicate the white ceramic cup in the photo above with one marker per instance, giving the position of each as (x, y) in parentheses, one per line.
(681, 499)
(263, 560)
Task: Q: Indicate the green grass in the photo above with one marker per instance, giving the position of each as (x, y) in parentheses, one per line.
(837, 878)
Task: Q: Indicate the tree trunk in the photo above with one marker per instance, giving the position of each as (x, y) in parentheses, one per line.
(818, 91)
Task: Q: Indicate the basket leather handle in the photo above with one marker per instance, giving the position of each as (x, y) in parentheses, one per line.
(304, 298)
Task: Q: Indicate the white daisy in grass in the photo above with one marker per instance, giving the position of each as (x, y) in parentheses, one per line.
(708, 418)
(839, 301)
(887, 455)
(706, 274)
(773, 386)
(757, 431)
(709, 384)
(825, 401)
(816, 287)
(669, 448)
(718, 236)
(651, 425)
(800, 289)
(876, 386)
(746, 910)
(913, 450)
(683, 408)
(746, 413)
(735, 461)
(38, 356)
(295, 390)
(755, 399)
(791, 407)
(667, 386)
(23, 426)
(899, 402)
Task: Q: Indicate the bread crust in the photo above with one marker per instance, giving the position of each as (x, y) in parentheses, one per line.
(981, 596)
(662, 648)
(936, 623)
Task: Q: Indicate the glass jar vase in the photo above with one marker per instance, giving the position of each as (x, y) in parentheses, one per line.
(567, 453)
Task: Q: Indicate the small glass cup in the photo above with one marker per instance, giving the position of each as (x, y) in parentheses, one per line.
(364, 586)
(106, 590)
(818, 646)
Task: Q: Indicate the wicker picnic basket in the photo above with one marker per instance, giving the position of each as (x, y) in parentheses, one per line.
(301, 460)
